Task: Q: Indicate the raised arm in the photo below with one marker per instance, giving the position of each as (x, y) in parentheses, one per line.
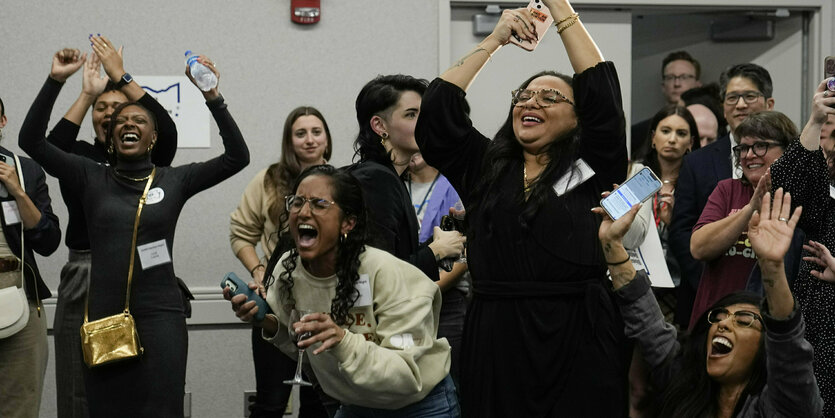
(823, 105)
(92, 85)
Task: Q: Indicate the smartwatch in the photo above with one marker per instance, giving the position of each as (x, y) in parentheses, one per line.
(126, 79)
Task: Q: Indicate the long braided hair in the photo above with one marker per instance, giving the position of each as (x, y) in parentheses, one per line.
(348, 195)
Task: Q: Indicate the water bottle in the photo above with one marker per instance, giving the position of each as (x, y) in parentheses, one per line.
(204, 77)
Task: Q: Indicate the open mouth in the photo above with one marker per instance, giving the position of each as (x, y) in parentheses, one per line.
(129, 137)
(105, 124)
(307, 235)
(720, 346)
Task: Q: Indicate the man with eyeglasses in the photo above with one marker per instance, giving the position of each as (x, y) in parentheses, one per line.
(679, 72)
(744, 89)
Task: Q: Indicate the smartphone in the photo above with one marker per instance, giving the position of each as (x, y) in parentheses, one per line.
(542, 20)
(829, 72)
(448, 223)
(636, 189)
(238, 287)
(8, 159)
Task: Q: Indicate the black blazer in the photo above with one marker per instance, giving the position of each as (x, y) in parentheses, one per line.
(44, 238)
(699, 174)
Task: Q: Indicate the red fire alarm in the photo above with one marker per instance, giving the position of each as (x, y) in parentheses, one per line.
(305, 12)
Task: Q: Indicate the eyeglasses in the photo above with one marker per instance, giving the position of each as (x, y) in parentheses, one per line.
(544, 97)
(670, 78)
(759, 148)
(294, 204)
(743, 319)
(748, 96)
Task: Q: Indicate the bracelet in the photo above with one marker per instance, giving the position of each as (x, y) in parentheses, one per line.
(252, 271)
(561, 21)
(568, 25)
(620, 262)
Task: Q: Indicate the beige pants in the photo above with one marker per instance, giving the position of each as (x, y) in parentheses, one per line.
(23, 358)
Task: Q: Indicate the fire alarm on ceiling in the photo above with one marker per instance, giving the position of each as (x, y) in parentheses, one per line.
(305, 12)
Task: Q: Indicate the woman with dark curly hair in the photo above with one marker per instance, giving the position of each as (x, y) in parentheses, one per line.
(373, 336)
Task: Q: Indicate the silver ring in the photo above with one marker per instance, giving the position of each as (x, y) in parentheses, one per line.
(782, 219)
(826, 93)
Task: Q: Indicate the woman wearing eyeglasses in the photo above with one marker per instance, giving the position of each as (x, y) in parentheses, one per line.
(542, 335)
(372, 341)
(720, 237)
(306, 141)
(803, 170)
(745, 356)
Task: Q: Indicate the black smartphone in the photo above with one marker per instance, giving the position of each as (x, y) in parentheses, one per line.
(633, 191)
(4, 193)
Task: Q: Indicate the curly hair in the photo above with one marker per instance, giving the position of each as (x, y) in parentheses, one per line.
(348, 195)
(108, 142)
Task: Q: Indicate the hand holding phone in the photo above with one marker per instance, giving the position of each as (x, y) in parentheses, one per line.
(541, 17)
(636, 189)
(4, 192)
(238, 287)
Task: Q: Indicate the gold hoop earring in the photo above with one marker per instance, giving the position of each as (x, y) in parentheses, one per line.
(110, 149)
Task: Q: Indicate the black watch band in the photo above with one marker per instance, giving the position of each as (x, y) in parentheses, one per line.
(126, 79)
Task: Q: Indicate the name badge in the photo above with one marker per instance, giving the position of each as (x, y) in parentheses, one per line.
(363, 288)
(579, 172)
(155, 195)
(11, 212)
(153, 254)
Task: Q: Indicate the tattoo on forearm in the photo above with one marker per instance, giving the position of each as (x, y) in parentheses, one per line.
(607, 248)
(769, 282)
(475, 51)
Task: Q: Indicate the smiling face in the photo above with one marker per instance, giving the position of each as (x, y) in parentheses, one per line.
(671, 138)
(103, 108)
(134, 133)
(732, 348)
(536, 127)
(317, 234)
(736, 113)
(753, 166)
(310, 140)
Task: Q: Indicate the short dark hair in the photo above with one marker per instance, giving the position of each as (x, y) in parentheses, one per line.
(767, 124)
(753, 72)
(682, 56)
(2, 109)
(707, 96)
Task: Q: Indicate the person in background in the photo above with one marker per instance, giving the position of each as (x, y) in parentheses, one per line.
(433, 197)
(305, 142)
(371, 339)
(746, 356)
(679, 72)
(703, 102)
(153, 385)
(27, 214)
(542, 336)
(720, 237)
(807, 173)
(103, 96)
(744, 89)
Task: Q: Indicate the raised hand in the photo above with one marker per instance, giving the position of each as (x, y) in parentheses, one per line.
(512, 23)
(770, 230)
(763, 186)
(110, 58)
(213, 93)
(610, 230)
(65, 63)
(93, 83)
(823, 258)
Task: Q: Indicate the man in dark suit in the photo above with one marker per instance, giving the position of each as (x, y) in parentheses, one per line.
(744, 89)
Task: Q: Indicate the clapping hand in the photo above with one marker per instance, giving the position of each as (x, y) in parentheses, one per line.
(65, 63)
(110, 58)
(770, 230)
(93, 83)
(823, 258)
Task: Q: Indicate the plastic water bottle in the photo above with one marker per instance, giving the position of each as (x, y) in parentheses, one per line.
(204, 77)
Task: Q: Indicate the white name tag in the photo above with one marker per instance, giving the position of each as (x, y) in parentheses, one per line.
(153, 254)
(155, 195)
(363, 288)
(579, 172)
(11, 213)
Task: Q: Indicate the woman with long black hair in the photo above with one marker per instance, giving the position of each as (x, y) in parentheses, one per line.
(543, 336)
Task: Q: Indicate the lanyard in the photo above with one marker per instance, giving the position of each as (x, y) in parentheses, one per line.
(426, 196)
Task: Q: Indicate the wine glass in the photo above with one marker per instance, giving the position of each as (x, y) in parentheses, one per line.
(458, 215)
(295, 316)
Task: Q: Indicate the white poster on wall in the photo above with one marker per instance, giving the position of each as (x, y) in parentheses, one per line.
(185, 104)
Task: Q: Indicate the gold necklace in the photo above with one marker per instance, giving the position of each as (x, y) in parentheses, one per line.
(131, 178)
(528, 187)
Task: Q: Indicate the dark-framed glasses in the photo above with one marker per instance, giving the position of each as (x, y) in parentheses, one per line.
(759, 148)
(743, 319)
(544, 97)
(748, 96)
(671, 78)
(294, 204)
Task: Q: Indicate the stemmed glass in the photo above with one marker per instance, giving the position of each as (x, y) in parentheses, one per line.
(458, 215)
(295, 316)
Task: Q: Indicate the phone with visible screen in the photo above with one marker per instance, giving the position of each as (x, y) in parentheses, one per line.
(542, 20)
(636, 189)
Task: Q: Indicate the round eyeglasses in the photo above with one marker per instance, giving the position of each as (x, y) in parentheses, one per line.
(294, 204)
(748, 96)
(744, 319)
(544, 97)
(760, 148)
